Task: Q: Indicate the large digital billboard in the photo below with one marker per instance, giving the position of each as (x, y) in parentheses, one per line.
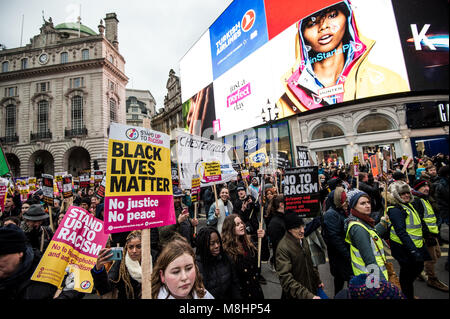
(309, 55)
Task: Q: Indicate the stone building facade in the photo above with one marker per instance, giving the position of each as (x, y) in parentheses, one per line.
(140, 105)
(58, 95)
(171, 116)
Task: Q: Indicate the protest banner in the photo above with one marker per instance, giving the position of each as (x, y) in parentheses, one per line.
(139, 192)
(67, 186)
(301, 190)
(32, 184)
(75, 247)
(193, 151)
(98, 176)
(212, 172)
(101, 188)
(47, 189)
(58, 180)
(76, 183)
(258, 158)
(303, 157)
(195, 192)
(3, 191)
(374, 165)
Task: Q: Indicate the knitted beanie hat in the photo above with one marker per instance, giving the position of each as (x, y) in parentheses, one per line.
(12, 239)
(354, 195)
(362, 287)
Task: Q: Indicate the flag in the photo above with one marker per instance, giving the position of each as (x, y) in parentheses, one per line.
(4, 168)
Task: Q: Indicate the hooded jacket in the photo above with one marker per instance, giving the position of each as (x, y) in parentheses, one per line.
(359, 77)
(406, 252)
(333, 233)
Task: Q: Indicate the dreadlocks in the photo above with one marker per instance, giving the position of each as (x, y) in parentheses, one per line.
(124, 275)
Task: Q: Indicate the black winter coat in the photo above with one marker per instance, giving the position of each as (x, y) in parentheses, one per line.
(220, 277)
(333, 233)
(20, 286)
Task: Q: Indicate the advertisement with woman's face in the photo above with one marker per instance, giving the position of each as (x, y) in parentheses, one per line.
(318, 54)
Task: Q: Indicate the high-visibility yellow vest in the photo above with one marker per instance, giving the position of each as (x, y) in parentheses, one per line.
(358, 265)
(413, 227)
(429, 217)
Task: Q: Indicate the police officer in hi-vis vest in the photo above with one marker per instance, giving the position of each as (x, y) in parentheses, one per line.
(423, 206)
(406, 236)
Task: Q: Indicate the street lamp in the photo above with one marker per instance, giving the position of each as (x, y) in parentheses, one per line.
(269, 108)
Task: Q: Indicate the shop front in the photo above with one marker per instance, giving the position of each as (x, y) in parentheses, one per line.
(428, 122)
(275, 139)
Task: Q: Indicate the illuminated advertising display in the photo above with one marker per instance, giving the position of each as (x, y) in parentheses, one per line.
(310, 55)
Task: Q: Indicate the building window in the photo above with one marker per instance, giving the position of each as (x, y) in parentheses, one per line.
(11, 91)
(43, 87)
(134, 117)
(374, 123)
(76, 82)
(111, 85)
(64, 57)
(112, 110)
(326, 131)
(135, 109)
(10, 120)
(85, 54)
(24, 63)
(42, 123)
(111, 59)
(77, 112)
(5, 66)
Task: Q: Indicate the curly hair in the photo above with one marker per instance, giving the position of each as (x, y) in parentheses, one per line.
(175, 248)
(232, 244)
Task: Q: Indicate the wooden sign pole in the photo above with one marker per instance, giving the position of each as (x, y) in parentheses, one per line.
(146, 264)
(51, 218)
(261, 222)
(195, 215)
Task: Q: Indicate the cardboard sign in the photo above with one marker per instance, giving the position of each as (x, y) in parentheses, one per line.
(67, 186)
(212, 172)
(3, 191)
(48, 188)
(301, 190)
(98, 176)
(139, 192)
(374, 165)
(75, 245)
(405, 166)
(101, 188)
(303, 157)
(195, 189)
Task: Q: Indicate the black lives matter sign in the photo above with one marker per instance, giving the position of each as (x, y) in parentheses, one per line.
(301, 190)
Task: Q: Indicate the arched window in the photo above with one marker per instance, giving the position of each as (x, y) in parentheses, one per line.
(64, 57)
(10, 120)
(374, 123)
(326, 131)
(112, 110)
(77, 113)
(85, 54)
(5, 66)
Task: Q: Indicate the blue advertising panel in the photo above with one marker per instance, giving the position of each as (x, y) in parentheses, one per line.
(237, 33)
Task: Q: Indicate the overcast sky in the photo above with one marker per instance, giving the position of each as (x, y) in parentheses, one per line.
(153, 35)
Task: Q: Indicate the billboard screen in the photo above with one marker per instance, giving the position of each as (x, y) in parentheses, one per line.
(308, 55)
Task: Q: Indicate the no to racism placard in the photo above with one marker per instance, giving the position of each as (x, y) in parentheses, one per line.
(139, 191)
(301, 190)
(48, 188)
(75, 245)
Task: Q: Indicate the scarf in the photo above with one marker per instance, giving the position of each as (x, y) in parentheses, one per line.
(363, 217)
(134, 268)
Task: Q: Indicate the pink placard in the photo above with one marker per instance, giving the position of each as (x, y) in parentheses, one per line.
(128, 213)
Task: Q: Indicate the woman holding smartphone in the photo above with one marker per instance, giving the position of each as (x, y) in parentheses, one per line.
(123, 280)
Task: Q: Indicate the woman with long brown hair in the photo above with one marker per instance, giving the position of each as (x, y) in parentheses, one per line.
(176, 275)
(244, 255)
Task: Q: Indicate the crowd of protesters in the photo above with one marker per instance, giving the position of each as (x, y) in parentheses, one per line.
(360, 217)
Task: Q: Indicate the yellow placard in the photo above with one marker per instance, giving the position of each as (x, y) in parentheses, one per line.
(137, 169)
